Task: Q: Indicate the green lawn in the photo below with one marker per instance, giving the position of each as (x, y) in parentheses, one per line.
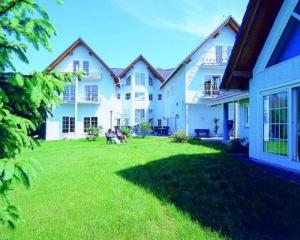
(152, 189)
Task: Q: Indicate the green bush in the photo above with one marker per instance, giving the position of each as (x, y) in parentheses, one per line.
(126, 131)
(145, 127)
(93, 133)
(180, 137)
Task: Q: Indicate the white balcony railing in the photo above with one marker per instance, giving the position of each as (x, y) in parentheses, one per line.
(89, 99)
(214, 57)
(93, 76)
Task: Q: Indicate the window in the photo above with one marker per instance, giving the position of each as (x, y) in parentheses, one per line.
(75, 66)
(219, 54)
(246, 115)
(159, 97)
(211, 85)
(91, 93)
(139, 115)
(276, 124)
(139, 96)
(126, 121)
(89, 122)
(118, 96)
(86, 67)
(150, 97)
(118, 122)
(150, 81)
(297, 8)
(128, 81)
(140, 79)
(159, 123)
(68, 124)
(150, 111)
(288, 45)
(127, 96)
(69, 93)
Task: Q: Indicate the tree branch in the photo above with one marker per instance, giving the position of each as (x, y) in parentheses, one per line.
(11, 5)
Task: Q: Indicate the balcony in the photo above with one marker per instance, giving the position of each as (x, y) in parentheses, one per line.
(93, 76)
(216, 57)
(89, 99)
(68, 99)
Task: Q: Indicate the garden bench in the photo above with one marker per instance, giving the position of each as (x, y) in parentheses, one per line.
(202, 133)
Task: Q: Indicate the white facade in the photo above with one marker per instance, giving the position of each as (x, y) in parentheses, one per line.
(283, 77)
(196, 83)
(125, 97)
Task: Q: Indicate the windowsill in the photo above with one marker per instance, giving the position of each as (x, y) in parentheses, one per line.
(246, 126)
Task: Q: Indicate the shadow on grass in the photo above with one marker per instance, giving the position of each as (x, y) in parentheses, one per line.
(235, 198)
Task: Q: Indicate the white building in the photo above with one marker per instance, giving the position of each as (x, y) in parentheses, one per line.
(194, 83)
(266, 62)
(111, 97)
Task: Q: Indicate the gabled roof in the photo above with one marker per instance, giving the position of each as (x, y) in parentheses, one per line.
(256, 26)
(165, 73)
(71, 48)
(228, 22)
(150, 67)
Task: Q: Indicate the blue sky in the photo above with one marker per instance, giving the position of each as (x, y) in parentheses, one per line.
(164, 31)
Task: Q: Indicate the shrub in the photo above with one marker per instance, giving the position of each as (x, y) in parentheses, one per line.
(93, 133)
(145, 127)
(126, 131)
(180, 137)
(239, 146)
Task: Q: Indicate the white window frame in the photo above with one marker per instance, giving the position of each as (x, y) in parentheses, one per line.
(68, 121)
(91, 93)
(246, 115)
(92, 121)
(69, 93)
(139, 96)
(140, 79)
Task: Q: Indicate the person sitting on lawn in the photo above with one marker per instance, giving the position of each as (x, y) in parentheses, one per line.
(113, 136)
(121, 136)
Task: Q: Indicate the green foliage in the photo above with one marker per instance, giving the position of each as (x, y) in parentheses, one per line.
(11, 172)
(126, 131)
(145, 128)
(180, 137)
(25, 100)
(94, 132)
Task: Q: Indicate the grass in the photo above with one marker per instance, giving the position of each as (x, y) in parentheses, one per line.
(152, 189)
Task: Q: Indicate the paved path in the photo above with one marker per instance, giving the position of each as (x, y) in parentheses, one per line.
(279, 172)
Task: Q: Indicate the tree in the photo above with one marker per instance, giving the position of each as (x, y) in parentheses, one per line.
(25, 100)
(145, 127)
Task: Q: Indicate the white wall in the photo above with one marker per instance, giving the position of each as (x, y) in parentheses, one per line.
(187, 100)
(281, 77)
(106, 92)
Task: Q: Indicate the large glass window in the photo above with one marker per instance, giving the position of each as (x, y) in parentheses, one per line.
(68, 124)
(91, 93)
(89, 122)
(69, 93)
(139, 115)
(140, 79)
(276, 124)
